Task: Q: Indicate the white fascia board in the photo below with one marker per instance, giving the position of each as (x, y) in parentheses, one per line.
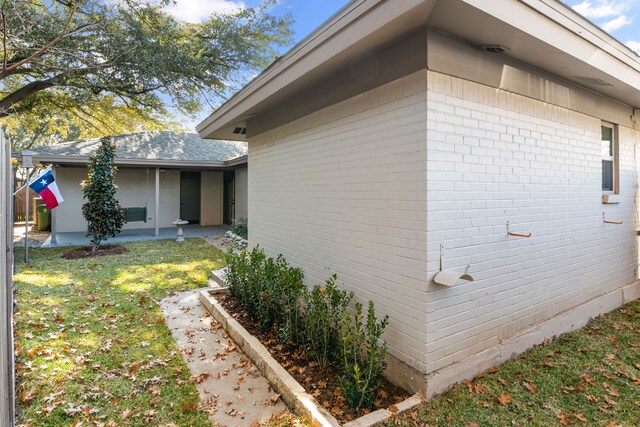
(83, 160)
(357, 21)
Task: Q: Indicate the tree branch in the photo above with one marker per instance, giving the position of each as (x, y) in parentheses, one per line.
(25, 91)
(43, 49)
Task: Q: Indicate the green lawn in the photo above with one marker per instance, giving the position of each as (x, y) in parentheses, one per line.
(91, 342)
(589, 377)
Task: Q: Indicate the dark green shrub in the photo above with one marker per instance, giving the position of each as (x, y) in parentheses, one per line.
(291, 321)
(323, 313)
(102, 210)
(363, 358)
(245, 276)
(267, 288)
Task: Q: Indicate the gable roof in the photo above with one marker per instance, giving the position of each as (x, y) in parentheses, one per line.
(159, 148)
(543, 33)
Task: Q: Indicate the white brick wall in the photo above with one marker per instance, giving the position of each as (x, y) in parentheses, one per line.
(343, 191)
(494, 157)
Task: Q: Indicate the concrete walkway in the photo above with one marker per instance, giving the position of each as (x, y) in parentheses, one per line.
(80, 238)
(231, 388)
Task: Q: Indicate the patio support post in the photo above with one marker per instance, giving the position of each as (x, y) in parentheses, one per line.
(54, 238)
(157, 214)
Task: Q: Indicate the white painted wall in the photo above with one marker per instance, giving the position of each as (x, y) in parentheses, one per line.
(211, 198)
(136, 188)
(241, 185)
(343, 191)
(493, 157)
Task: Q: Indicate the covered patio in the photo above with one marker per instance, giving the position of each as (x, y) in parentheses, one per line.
(77, 238)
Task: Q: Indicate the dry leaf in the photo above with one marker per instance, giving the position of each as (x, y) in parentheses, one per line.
(336, 411)
(530, 386)
(393, 409)
(564, 420)
(611, 391)
(504, 399)
(587, 379)
(125, 414)
(581, 417)
(479, 388)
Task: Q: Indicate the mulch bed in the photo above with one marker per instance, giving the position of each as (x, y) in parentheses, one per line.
(323, 384)
(85, 251)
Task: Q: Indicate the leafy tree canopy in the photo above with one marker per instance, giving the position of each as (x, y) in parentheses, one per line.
(111, 66)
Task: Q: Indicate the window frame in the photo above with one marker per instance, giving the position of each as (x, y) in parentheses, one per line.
(615, 158)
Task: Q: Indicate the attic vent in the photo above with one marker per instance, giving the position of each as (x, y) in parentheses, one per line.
(495, 48)
(592, 81)
(240, 131)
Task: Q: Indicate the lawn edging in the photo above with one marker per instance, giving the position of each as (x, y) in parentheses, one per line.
(291, 391)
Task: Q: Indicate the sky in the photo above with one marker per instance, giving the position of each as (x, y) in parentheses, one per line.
(620, 18)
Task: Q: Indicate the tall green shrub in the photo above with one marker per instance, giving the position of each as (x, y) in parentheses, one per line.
(363, 357)
(267, 288)
(102, 210)
(323, 312)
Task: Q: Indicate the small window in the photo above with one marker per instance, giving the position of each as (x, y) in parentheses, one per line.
(609, 158)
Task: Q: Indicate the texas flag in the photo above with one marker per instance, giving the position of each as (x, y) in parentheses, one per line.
(46, 187)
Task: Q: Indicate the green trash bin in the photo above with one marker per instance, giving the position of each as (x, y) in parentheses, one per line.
(44, 218)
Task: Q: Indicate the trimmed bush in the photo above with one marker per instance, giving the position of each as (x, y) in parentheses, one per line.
(323, 311)
(363, 358)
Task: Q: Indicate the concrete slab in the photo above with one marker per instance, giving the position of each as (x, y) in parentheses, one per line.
(231, 388)
(80, 238)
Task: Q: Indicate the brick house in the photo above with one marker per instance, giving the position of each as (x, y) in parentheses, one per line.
(161, 176)
(398, 128)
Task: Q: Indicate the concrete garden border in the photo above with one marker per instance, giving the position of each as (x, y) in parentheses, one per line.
(293, 394)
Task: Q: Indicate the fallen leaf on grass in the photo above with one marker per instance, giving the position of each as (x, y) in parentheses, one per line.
(581, 417)
(189, 406)
(479, 388)
(504, 399)
(530, 386)
(610, 390)
(125, 414)
(565, 420)
(587, 379)
(26, 396)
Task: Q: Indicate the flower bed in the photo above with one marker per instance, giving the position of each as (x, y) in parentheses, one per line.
(294, 394)
(336, 353)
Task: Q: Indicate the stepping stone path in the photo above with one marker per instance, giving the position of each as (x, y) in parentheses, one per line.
(232, 390)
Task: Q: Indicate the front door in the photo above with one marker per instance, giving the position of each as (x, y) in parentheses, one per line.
(229, 198)
(190, 197)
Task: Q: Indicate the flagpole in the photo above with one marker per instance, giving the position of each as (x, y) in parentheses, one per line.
(27, 163)
(26, 223)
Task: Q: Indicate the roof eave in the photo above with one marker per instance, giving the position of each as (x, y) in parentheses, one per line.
(83, 160)
(332, 39)
(350, 33)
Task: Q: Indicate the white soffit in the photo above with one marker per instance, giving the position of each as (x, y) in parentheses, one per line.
(549, 36)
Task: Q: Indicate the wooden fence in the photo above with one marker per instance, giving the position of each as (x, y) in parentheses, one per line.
(19, 209)
(7, 375)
